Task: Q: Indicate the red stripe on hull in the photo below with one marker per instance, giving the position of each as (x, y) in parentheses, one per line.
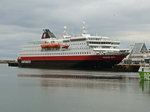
(87, 57)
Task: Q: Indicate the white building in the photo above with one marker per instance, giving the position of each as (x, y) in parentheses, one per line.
(138, 53)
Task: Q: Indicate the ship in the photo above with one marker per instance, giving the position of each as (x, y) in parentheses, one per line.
(82, 51)
(144, 70)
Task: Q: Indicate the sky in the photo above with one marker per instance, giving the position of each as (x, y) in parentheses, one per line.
(22, 21)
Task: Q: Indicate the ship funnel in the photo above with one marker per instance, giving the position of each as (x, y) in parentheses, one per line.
(47, 34)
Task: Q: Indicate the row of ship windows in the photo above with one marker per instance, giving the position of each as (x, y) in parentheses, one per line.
(104, 43)
(71, 53)
(77, 43)
(102, 47)
(81, 48)
(95, 38)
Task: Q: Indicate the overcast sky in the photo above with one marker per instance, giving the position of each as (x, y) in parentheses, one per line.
(22, 21)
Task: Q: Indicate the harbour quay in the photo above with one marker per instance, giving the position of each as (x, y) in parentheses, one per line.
(131, 63)
(9, 62)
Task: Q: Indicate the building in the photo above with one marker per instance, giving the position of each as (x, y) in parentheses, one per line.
(138, 53)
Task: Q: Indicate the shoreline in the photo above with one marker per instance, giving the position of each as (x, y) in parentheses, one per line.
(7, 61)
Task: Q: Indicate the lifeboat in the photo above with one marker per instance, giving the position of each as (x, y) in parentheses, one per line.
(65, 46)
(52, 45)
(44, 45)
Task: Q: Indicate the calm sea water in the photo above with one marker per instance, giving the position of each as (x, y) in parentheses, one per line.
(36, 94)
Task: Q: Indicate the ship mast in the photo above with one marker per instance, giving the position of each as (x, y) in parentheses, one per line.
(65, 34)
(65, 31)
(84, 28)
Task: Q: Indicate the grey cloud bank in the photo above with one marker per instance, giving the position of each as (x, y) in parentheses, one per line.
(22, 21)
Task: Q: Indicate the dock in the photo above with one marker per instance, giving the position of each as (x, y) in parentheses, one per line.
(9, 62)
(126, 67)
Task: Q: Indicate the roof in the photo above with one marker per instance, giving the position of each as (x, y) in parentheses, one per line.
(139, 48)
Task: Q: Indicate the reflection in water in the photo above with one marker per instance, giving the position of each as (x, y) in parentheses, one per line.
(145, 85)
(72, 76)
(75, 83)
(107, 82)
(98, 84)
(82, 79)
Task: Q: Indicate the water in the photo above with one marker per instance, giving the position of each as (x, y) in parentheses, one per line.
(36, 94)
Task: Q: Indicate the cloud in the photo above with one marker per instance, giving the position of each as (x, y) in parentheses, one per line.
(12, 38)
(23, 21)
(133, 36)
(128, 38)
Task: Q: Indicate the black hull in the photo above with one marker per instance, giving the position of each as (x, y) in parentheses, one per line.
(71, 64)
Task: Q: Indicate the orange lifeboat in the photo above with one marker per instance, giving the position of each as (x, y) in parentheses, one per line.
(52, 45)
(44, 45)
(65, 46)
